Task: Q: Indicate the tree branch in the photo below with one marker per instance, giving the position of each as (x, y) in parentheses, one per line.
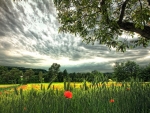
(104, 10)
(122, 11)
(148, 2)
(128, 26)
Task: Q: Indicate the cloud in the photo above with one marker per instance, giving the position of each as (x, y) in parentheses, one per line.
(29, 38)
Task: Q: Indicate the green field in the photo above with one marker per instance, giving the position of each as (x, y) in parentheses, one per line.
(132, 97)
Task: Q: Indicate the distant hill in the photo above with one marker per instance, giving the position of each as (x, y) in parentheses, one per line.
(23, 69)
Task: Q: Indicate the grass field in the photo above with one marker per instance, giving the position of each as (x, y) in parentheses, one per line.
(110, 97)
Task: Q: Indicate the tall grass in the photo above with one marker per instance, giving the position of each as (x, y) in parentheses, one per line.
(132, 97)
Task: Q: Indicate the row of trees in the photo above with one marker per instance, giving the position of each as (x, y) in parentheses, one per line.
(123, 71)
(127, 70)
(17, 75)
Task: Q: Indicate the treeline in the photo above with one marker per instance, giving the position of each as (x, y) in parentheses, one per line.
(19, 75)
(124, 71)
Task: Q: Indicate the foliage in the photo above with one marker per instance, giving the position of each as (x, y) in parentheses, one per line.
(15, 75)
(127, 70)
(53, 70)
(27, 75)
(19, 75)
(41, 79)
(60, 77)
(65, 74)
(106, 20)
(145, 73)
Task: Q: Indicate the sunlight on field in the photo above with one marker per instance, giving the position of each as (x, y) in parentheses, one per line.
(7, 85)
(56, 85)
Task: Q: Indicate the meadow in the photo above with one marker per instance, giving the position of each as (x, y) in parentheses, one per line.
(107, 97)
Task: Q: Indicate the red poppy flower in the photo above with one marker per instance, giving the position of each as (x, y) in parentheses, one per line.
(111, 100)
(68, 94)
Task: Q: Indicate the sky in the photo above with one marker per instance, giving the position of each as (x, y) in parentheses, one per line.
(29, 38)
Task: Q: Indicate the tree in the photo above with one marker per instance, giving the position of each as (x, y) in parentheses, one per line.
(41, 79)
(65, 74)
(106, 20)
(126, 71)
(3, 71)
(53, 70)
(7, 77)
(145, 73)
(60, 77)
(28, 74)
(15, 75)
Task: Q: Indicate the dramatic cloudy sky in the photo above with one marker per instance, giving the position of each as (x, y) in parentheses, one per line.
(29, 38)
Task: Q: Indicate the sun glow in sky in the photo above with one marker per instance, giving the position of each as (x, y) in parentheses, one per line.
(29, 38)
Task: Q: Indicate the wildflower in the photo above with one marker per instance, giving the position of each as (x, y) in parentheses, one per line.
(23, 87)
(24, 108)
(111, 100)
(0, 93)
(68, 94)
(128, 89)
(6, 92)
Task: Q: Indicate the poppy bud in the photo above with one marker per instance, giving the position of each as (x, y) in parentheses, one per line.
(111, 100)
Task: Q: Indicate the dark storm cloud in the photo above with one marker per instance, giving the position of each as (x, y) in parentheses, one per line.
(76, 56)
(143, 62)
(17, 61)
(88, 67)
(5, 45)
(2, 33)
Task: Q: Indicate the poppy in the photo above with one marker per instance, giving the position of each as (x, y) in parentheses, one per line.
(111, 100)
(68, 94)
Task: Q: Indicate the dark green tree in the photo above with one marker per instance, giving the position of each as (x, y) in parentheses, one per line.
(15, 75)
(60, 77)
(3, 71)
(65, 74)
(145, 73)
(53, 71)
(28, 75)
(106, 20)
(5, 77)
(41, 79)
(126, 71)
(90, 77)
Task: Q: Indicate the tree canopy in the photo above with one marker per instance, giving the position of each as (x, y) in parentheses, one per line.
(126, 70)
(106, 20)
(53, 70)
